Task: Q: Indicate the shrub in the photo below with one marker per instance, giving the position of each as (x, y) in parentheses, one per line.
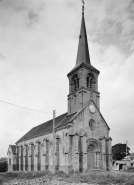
(3, 164)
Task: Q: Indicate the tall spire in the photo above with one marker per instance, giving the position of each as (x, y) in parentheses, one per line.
(83, 51)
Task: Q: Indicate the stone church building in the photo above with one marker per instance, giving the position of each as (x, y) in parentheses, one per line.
(80, 140)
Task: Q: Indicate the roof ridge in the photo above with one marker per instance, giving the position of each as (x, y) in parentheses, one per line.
(49, 120)
(67, 117)
(60, 122)
(43, 128)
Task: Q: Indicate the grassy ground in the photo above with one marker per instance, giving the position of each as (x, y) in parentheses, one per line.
(8, 176)
(101, 178)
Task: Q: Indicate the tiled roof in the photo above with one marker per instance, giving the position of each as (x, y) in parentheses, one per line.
(60, 121)
(65, 121)
(13, 148)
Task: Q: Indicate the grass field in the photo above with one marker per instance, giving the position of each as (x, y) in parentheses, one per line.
(101, 178)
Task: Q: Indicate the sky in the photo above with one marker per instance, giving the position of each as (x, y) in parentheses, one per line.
(38, 47)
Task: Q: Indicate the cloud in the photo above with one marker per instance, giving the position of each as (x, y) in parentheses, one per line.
(114, 23)
(2, 56)
(132, 45)
(33, 18)
(22, 5)
(116, 89)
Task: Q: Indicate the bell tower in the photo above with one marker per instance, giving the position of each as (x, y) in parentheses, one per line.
(83, 78)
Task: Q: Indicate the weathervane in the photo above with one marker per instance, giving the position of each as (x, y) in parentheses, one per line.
(83, 7)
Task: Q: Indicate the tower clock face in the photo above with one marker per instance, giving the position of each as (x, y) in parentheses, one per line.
(92, 108)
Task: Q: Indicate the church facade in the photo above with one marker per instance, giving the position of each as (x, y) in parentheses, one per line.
(80, 139)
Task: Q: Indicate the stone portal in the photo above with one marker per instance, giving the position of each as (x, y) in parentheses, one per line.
(93, 154)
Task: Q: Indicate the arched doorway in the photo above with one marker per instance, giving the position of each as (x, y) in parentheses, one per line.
(93, 154)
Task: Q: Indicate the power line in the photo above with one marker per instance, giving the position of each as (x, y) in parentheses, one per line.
(115, 95)
(23, 107)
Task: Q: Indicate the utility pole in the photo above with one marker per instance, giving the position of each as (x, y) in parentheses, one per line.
(126, 154)
(54, 115)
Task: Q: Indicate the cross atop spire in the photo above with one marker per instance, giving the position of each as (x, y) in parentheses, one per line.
(83, 8)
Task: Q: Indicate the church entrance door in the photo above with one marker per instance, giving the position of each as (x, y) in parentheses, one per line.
(93, 154)
(90, 160)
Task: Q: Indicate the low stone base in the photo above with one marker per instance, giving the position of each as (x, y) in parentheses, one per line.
(54, 169)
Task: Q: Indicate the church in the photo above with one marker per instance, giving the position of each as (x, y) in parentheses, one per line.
(75, 141)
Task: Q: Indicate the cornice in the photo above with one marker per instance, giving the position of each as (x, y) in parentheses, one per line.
(86, 66)
(82, 88)
(45, 133)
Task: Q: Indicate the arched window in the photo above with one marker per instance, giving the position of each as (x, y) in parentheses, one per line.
(75, 83)
(90, 81)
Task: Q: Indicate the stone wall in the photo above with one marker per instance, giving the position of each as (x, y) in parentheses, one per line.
(11, 161)
(73, 148)
(69, 155)
(38, 153)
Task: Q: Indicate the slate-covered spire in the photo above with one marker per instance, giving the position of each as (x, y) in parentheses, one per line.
(83, 51)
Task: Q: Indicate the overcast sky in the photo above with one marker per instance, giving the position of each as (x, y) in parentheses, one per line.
(38, 47)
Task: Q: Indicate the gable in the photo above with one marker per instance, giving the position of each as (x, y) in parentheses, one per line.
(93, 115)
(82, 119)
(12, 149)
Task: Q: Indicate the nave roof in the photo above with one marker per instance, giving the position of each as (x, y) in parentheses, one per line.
(60, 121)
